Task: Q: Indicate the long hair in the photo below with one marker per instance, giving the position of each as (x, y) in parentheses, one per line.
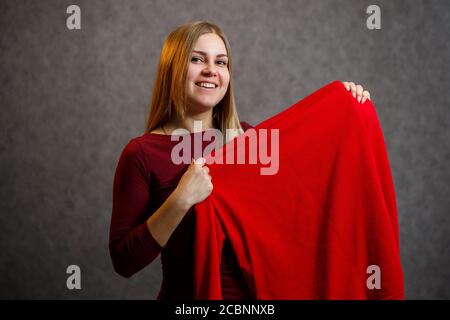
(169, 95)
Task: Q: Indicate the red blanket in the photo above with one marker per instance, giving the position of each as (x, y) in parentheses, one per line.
(324, 226)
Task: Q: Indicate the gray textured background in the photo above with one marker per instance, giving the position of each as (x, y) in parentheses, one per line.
(71, 100)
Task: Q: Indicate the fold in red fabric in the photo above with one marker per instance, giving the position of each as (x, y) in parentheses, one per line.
(324, 226)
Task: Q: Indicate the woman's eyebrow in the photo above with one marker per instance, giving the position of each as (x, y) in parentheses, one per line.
(204, 53)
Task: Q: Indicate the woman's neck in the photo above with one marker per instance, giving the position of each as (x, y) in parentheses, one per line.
(192, 123)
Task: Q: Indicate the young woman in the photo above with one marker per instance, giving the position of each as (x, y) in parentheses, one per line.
(153, 196)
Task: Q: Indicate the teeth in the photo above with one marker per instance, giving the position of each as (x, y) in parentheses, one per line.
(206, 84)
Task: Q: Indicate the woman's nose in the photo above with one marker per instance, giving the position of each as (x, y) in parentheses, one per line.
(210, 69)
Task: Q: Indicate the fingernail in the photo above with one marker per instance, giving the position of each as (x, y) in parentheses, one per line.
(200, 161)
(359, 99)
(354, 94)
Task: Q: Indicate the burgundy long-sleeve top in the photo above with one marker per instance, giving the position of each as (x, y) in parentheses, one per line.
(145, 176)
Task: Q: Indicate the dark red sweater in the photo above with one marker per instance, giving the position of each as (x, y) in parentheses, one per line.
(145, 176)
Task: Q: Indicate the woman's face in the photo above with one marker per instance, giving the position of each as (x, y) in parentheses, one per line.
(208, 65)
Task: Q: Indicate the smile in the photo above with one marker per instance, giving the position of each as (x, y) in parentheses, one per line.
(206, 85)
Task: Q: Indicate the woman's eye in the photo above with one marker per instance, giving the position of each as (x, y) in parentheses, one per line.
(196, 59)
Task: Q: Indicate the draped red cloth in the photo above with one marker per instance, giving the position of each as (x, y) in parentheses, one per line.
(316, 228)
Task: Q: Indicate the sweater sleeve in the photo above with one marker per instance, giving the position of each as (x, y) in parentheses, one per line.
(131, 245)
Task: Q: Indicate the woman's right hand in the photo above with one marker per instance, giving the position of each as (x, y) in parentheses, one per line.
(195, 185)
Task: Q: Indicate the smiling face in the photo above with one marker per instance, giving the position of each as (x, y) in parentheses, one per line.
(208, 75)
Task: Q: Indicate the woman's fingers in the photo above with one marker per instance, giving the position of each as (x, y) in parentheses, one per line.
(350, 86)
(346, 85)
(353, 89)
(201, 161)
(366, 95)
(359, 92)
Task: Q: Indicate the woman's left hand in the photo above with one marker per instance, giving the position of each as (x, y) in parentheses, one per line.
(357, 91)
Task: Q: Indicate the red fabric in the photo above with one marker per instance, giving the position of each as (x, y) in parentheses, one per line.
(311, 230)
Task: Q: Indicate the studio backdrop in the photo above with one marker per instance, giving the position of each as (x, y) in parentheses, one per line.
(75, 89)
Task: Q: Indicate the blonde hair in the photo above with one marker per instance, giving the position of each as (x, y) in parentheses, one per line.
(169, 89)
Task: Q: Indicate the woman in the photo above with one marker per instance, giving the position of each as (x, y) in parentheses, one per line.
(153, 197)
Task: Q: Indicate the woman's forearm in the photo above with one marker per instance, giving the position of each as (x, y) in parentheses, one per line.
(165, 220)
